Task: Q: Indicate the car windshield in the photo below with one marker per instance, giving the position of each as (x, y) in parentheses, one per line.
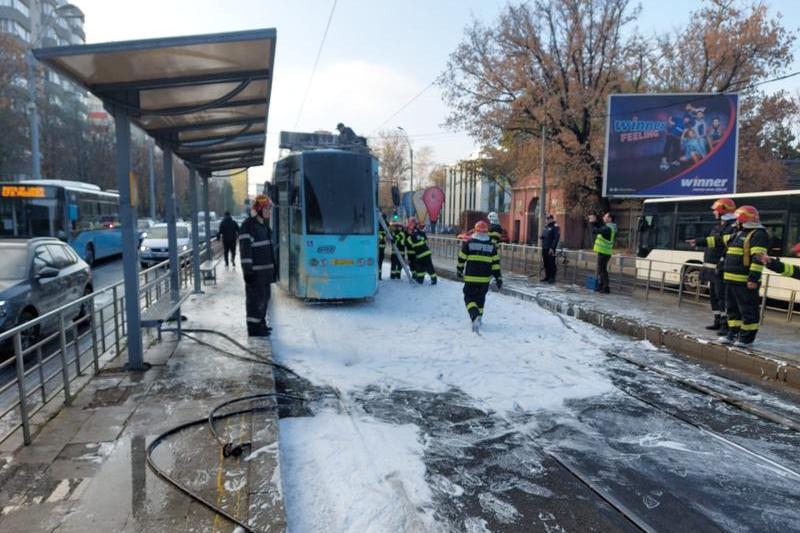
(13, 262)
(143, 224)
(339, 197)
(160, 232)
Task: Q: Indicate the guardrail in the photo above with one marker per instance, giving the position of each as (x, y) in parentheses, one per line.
(53, 350)
(627, 274)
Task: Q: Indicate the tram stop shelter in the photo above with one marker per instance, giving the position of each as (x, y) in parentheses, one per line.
(203, 98)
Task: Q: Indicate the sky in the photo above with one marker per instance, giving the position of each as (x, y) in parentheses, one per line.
(377, 56)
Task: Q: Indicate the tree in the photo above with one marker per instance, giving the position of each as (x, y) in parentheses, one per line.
(392, 152)
(14, 141)
(548, 65)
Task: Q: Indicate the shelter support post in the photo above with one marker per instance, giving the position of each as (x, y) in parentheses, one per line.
(209, 255)
(172, 232)
(195, 231)
(130, 255)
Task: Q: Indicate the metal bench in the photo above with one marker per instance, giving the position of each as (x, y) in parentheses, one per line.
(208, 269)
(163, 310)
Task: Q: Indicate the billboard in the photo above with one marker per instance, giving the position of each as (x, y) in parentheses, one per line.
(670, 145)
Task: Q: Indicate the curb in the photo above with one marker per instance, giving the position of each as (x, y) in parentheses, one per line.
(752, 363)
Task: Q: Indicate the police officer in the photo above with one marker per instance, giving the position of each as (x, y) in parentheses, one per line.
(399, 238)
(742, 273)
(713, 257)
(229, 232)
(784, 269)
(417, 244)
(478, 261)
(258, 265)
(496, 231)
(605, 233)
(550, 237)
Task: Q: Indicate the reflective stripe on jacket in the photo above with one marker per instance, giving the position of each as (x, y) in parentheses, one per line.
(479, 260)
(741, 263)
(784, 269)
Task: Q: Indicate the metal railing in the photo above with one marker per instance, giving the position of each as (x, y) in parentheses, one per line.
(627, 274)
(53, 350)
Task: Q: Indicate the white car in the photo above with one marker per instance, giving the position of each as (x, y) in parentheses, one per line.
(155, 247)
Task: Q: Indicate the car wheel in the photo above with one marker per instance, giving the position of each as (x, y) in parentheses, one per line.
(89, 255)
(85, 305)
(691, 278)
(30, 336)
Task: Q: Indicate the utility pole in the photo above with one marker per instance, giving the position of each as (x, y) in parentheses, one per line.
(33, 115)
(150, 150)
(542, 186)
(410, 157)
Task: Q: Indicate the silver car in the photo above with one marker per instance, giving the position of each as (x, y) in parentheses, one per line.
(155, 246)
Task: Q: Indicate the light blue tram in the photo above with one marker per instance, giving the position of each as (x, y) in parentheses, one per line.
(324, 221)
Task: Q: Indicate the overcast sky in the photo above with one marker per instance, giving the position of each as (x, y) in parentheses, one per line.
(377, 56)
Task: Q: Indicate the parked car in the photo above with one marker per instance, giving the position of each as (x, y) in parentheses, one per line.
(155, 247)
(36, 277)
(142, 225)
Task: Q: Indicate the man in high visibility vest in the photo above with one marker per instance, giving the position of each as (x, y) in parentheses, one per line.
(605, 234)
(478, 262)
(743, 276)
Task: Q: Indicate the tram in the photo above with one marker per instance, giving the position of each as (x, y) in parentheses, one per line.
(324, 218)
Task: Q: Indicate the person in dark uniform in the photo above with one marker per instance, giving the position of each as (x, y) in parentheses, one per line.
(605, 233)
(346, 134)
(417, 243)
(784, 269)
(381, 247)
(713, 256)
(478, 262)
(258, 265)
(496, 231)
(743, 276)
(399, 238)
(229, 233)
(550, 237)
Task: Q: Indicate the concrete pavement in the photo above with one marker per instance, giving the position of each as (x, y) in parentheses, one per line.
(86, 470)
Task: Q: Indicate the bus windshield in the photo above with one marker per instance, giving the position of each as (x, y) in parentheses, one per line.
(339, 199)
(24, 217)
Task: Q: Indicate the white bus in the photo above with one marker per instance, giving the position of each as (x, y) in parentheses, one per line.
(667, 223)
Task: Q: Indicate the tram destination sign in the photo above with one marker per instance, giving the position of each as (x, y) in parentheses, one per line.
(670, 145)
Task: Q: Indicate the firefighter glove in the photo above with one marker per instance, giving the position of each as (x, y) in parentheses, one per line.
(499, 283)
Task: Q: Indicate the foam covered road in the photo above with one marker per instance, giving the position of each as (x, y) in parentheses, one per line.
(420, 425)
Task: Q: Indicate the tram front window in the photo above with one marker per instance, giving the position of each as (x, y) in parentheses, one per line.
(338, 194)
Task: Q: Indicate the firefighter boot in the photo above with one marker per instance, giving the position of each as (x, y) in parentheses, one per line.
(716, 325)
(731, 337)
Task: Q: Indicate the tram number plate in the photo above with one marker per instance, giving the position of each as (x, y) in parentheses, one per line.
(342, 262)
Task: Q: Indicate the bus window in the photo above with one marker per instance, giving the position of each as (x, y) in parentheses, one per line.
(31, 218)
(794, 231)
(775, 224)
(693, 227)
(338, 195)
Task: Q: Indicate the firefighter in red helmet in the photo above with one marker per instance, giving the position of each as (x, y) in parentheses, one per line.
(713, 246)
(478, 262)
(742, 273)
(784, 269)
(417, 245)
(258, 265)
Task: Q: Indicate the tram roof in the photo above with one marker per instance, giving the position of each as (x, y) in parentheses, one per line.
(206, 97)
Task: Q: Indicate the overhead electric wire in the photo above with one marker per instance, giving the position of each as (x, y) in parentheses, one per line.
(316, 62)
(404, 106)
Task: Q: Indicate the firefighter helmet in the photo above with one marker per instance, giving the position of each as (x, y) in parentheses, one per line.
(481, 226)
(747, 214)
(723, 206)
(412, 223)
(261, 202)
(493, 218)
(796, 249)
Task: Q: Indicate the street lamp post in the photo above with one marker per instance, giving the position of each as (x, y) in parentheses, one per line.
(411, 158)
(60, 11)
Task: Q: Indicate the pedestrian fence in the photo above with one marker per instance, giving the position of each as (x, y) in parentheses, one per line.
(628, 274)
(51, 351)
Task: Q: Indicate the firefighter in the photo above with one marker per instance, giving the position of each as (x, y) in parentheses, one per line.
(784, 269)
(713, 258)
(228, 231)
(411, 224)
(742, 273)
(258, 265)
(605, 233)
(381, 247)
(398, 236)
(496, 231)
(550, 237)
(417, 244)
(478, 261)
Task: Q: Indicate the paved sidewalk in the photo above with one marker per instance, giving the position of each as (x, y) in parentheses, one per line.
(776, 353)
(86, 470)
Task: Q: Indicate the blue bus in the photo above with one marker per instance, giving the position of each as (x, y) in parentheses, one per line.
(79, 214)
(324, 220)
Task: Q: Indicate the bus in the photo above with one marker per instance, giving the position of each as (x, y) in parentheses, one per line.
(324, 219)
(79, 214)
(667, 223)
